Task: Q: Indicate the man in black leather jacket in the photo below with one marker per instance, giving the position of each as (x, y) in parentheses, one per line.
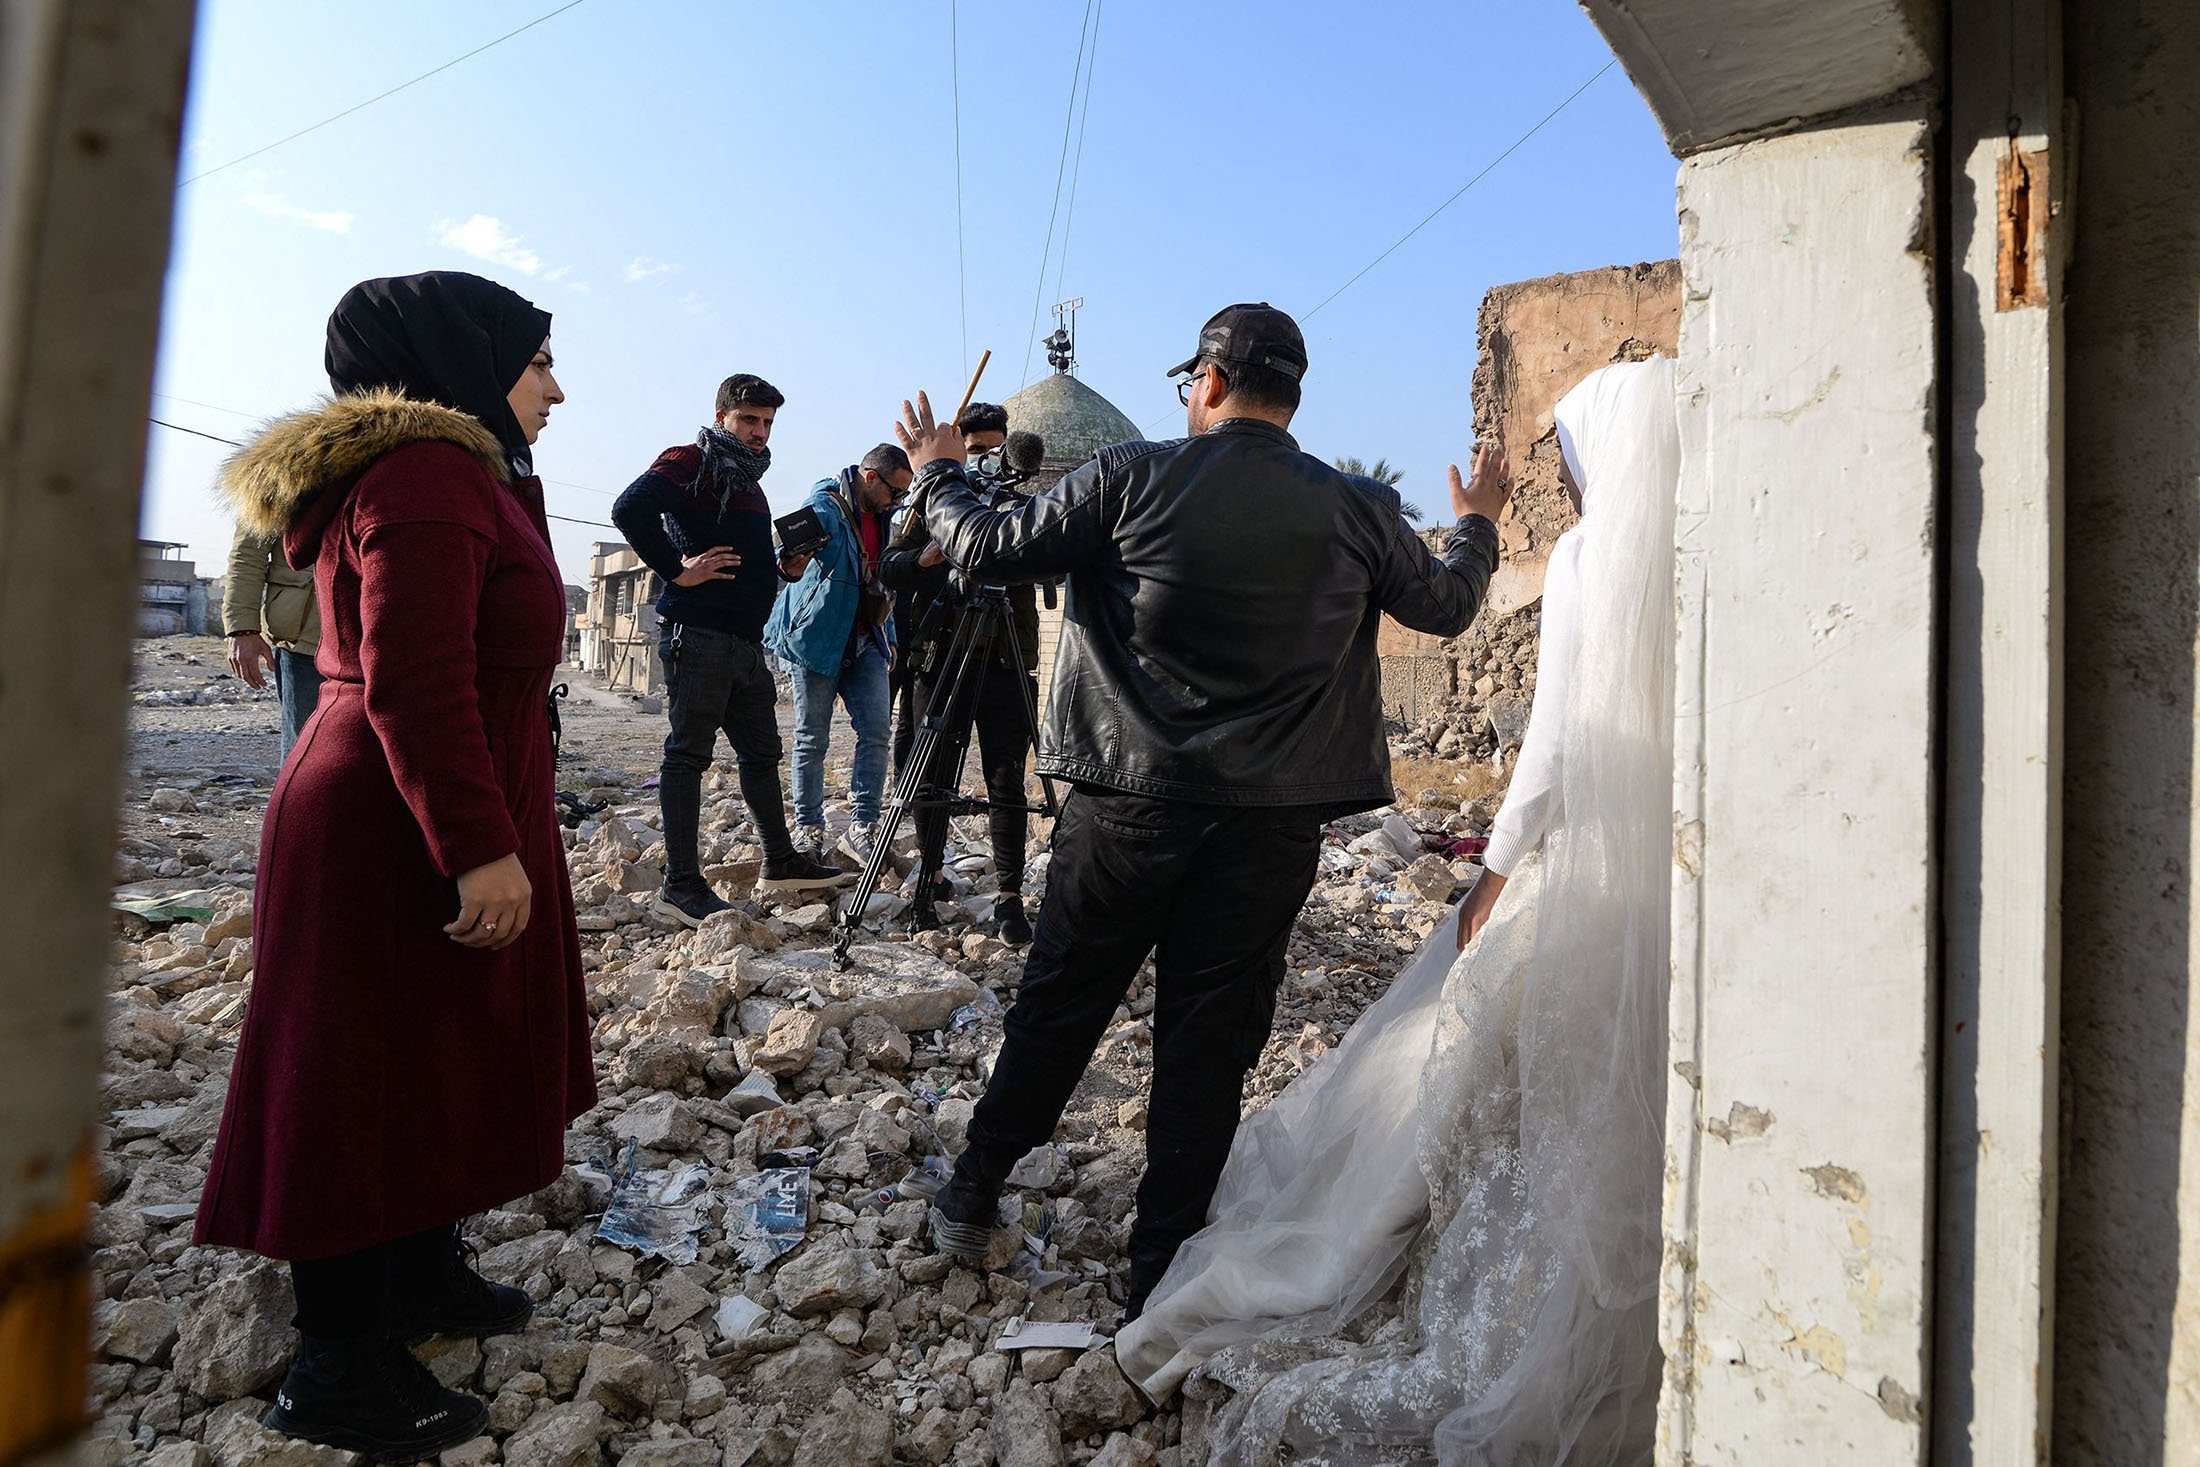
(1216, 698)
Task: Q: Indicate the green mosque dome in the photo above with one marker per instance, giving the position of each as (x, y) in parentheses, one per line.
(1075, 421)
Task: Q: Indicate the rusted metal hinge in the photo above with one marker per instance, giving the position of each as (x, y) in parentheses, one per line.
(2024, 214)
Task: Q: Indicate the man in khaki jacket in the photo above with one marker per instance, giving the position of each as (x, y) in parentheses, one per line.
(264, 601)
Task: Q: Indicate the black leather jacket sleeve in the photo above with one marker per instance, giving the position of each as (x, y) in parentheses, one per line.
(1436, 594)
(1048, 535)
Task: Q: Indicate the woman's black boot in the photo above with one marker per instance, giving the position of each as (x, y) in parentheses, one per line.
(370, 1395)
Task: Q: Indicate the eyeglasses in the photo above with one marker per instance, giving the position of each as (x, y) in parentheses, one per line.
(1184, 388)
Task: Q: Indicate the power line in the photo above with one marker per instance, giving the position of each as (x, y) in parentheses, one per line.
(212, 407)
(1461, 191)
(1076, 170)
(1456, 196)
(954, 80)
(1046, 251)
(379, 96)
(195, 433)
(233, 443)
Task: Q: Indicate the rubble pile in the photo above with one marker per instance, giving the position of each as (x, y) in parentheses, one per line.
(731, 1267)
(1487, 715)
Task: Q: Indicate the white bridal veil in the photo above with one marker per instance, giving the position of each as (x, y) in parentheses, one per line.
(1441, 1242)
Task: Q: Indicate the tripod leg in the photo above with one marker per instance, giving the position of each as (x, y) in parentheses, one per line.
(959, 663)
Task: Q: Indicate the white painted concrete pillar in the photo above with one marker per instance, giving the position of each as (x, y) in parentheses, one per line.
(2006, 233)
(1800, 1137)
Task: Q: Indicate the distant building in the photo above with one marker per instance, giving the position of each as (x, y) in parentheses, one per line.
(172, 600)
(576, 608)
(616, 628)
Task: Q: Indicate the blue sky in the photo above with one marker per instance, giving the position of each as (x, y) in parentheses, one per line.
(694, 189)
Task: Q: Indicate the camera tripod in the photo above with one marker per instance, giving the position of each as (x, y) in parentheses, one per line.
(982, 622)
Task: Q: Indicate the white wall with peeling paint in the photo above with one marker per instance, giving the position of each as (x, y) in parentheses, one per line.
(1800, 1148)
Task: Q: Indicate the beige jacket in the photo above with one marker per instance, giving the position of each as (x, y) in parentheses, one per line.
(263, 594)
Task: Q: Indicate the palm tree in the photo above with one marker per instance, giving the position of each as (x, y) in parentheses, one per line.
(1382, 473)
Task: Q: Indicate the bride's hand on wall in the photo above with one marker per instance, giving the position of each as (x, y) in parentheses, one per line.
(1476, 906)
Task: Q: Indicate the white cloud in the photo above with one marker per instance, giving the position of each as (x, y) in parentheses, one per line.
(552, 277)
(329, 221)
(644, 268)
(485, 238)
(694, 304)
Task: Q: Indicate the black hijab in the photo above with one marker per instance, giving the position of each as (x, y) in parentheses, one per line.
(443, 337)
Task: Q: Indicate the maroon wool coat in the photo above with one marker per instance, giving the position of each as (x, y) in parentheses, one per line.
(389, 1080)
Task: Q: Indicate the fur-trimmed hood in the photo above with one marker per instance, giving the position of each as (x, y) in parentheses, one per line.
(270, 482)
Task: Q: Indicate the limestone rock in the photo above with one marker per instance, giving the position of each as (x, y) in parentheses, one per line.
(1093, 1395)
(798, 1379)
(671, 1452)
(878, 1043)
(821, 1280)
(1429, 878)
(790, 1041)
(1125, 1450)
(626, 1382)
(570, 1435)
(988, 1373)
(234, 1437)
(847, 1433)
(660, 1123)
(907, 987)
(143, 1330)
(1023, 1434)
(237, 1338)
(676, 1300)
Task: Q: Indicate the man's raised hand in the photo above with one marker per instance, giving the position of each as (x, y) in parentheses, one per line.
(924, 440)
(1486, 491)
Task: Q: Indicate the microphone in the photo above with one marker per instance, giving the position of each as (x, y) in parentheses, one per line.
(1022, 452)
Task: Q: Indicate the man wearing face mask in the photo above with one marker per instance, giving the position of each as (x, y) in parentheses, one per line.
(996, 698)
(699, 519)
(834, 630)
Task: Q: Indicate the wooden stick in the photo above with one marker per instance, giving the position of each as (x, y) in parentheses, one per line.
(972, 390)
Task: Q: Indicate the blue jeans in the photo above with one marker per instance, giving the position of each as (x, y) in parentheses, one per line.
(862, 690)
(298, 685)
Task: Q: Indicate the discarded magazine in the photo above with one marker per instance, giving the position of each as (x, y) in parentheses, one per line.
(659, 1213)
(768, 1214)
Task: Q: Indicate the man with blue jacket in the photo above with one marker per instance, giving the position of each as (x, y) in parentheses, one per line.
(834, 632)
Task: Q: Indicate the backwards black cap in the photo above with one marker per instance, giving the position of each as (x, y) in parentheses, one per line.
(1256, 334)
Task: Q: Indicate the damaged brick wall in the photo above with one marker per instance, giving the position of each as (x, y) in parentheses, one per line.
(1465, 697)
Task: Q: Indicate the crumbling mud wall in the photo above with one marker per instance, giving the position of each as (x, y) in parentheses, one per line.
(1467, 697)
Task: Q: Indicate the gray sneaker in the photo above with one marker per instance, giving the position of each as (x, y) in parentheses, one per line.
(859, 840)
(809, 840)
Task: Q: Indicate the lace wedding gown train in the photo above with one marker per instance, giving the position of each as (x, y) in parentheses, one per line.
(1441, 1242)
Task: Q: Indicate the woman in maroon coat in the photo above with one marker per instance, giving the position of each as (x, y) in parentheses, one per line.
(418, 1033)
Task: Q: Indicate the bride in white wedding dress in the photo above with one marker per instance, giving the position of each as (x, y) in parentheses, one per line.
(1441, 1242)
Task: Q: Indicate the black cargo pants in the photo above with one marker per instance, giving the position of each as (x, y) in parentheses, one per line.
(1211, 891)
